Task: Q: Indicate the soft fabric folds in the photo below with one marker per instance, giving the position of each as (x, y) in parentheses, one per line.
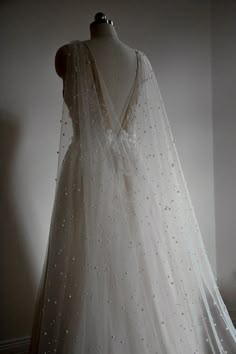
(126, 269)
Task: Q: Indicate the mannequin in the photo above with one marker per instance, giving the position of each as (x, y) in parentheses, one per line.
(116, 61)
(126, 270)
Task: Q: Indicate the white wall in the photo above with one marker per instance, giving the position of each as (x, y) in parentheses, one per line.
(224, 129)
(176, 38)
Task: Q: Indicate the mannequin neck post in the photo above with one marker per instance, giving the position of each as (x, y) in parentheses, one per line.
(100, 30)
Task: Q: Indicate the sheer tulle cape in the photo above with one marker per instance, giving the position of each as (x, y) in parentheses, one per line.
(126, 269)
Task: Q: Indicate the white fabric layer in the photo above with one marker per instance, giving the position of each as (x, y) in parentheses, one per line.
(126, 270)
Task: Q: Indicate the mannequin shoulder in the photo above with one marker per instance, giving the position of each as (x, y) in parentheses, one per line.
(60, 60)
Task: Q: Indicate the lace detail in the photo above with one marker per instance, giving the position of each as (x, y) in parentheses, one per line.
(124, 138)
(124, 149)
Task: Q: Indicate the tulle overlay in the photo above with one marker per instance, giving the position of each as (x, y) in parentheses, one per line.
(126, 270)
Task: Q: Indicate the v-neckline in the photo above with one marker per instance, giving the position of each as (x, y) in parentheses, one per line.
(125, 110)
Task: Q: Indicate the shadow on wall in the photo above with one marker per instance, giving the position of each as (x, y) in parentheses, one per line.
(17, 284)
(230, 301)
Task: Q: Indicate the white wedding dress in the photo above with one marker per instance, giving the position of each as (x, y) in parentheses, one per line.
(126, 271)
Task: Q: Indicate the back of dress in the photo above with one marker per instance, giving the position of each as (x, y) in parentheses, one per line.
(126, 269)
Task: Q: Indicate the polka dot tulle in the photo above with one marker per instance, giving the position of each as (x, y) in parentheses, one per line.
(126, 270)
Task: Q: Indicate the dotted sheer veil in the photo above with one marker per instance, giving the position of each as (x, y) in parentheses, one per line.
(126, 269)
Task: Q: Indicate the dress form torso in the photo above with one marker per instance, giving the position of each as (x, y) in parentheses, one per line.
(116, 61)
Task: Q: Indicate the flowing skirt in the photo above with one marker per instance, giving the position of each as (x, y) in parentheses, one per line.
(118, 278)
